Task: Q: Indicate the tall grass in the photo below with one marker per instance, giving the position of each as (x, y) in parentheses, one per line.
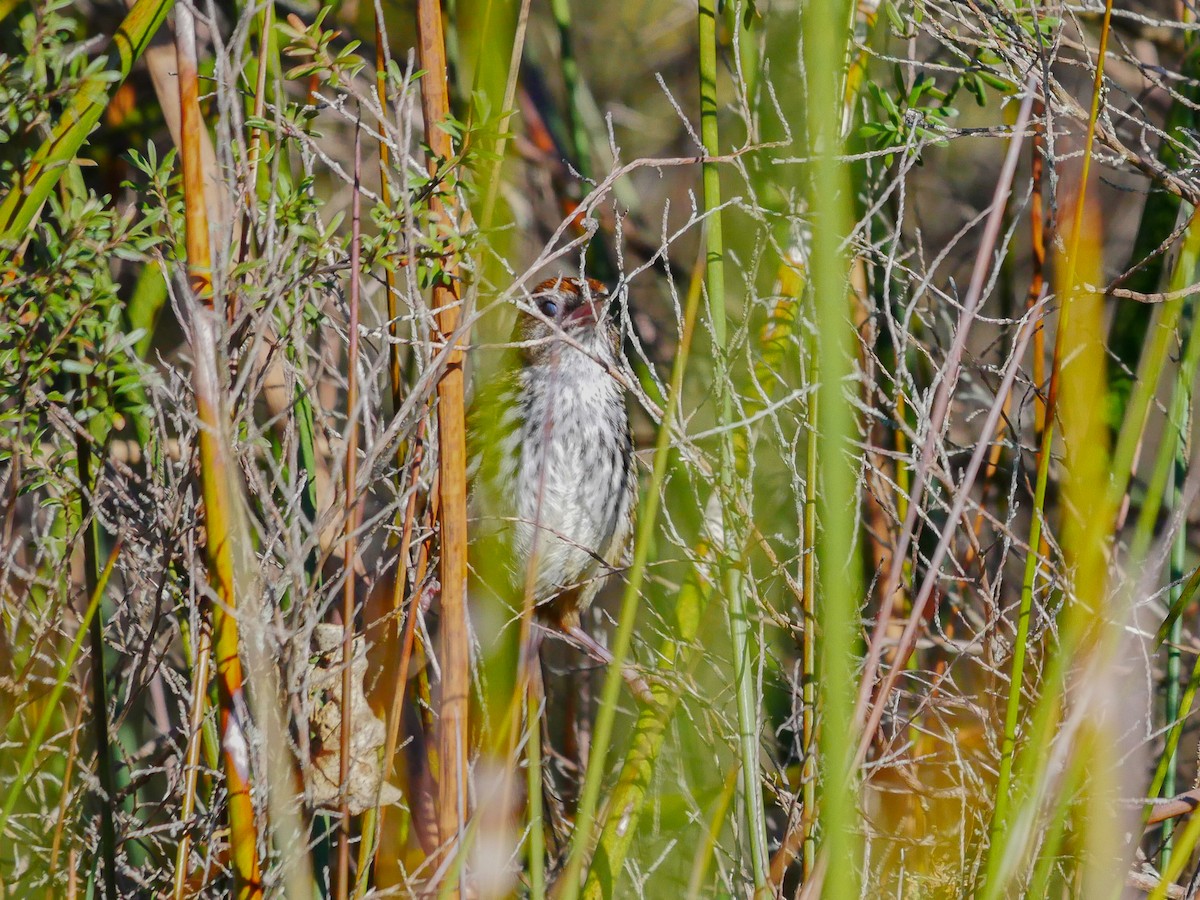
(749, 700)
(904, 616)
(825, 37)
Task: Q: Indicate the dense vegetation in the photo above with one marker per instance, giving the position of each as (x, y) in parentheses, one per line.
(907, 295)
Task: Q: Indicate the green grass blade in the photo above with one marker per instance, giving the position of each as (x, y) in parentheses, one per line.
(749, 702)
(51, 705)
(998, 826)
(585, 819)
(826, 40)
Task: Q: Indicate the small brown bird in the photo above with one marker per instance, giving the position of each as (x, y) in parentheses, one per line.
(557, 461)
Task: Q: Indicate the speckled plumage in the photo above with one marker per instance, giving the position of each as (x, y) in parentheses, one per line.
(560, 461)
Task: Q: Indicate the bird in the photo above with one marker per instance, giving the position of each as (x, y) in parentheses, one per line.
(556, 459)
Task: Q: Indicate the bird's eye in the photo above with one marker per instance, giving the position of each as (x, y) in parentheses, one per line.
(548, 307)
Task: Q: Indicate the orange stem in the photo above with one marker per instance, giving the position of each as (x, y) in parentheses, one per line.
(452, 457)
(215, 472)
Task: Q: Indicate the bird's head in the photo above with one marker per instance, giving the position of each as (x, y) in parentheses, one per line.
(574, 307)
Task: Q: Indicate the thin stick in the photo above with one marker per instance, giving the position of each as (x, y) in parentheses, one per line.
(257, 136)
(373, 825)
(998, 826)
(1037, 284)
(351, 527)
(1037, 246)
(72, 756)
(808, 640)
(374, 819)
(50, 706)
(909, 636)
(941, 405)
(191, 763)
(105, 765)
(385, 199)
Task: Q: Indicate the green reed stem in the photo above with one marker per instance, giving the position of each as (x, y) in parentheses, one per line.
(50, 706)
(1171, 699)
(826, 37)
(678, 653)
(999, 822)
(1021, 641)
(628, 797)
(577, 133)
(749, 702)
(585, 818)
(704, 855)
(1180, 421)
(1183, 274)
(105, 764)
(1043, 871)
(808, 640)
(533, 774)
(1164, 464)
(1149, 373)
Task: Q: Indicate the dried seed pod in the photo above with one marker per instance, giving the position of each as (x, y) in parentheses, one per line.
(368, 732)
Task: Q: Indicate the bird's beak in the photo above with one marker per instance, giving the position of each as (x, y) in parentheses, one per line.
(586, 313)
